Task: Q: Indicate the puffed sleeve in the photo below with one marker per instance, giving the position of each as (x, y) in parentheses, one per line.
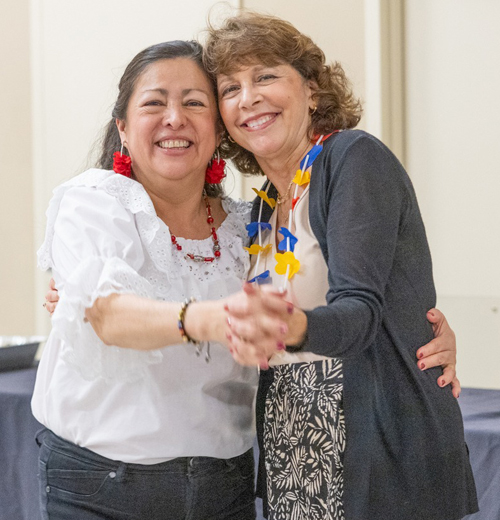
(367, 201)
(95, 250)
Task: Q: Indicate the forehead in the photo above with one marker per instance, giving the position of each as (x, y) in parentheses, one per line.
(183, 73)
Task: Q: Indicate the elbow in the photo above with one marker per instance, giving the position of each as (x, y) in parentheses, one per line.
(100, 318)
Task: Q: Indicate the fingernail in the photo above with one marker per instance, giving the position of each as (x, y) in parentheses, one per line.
(264, 366)
(432, 314)
(422, 366)
(290, 308)
(226, 307)
(283, 329)
(228, 336)
(280, 345)
(442, 382)
(420, 355)
(231, 350)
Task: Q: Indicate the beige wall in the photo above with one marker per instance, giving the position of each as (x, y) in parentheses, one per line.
(453, 156)
(16, 193)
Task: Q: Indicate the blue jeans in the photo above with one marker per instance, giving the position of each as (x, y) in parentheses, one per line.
(78, 484)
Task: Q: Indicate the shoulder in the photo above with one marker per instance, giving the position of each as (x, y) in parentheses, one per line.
(237, 206)
(98, 201)
(354, 143)
(95, 186)
(356, 154)
(238, 216)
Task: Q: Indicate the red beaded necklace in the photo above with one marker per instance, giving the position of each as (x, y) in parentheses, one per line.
(199, 258)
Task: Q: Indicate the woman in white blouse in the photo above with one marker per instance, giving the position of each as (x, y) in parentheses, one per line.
(135, 433)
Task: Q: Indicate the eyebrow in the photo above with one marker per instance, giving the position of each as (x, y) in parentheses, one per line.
(185, 92)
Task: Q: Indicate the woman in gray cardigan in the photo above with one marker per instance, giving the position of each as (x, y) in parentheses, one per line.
(350, 426)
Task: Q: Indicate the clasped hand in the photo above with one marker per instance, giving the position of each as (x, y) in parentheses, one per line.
(258, 324)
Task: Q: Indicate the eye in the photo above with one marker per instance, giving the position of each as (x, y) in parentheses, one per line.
(229, 90)
(194, 103)
(265, 77)
(152, 103)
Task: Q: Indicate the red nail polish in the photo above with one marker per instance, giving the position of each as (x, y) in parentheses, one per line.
(421, 355)
(264, 366)
(280, 345)
(422, 366)
(228, 336)
(290, 308)
(226, 307)
(442, 382)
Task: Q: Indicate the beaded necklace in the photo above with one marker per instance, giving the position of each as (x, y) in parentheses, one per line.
(215, 239)
(287, 264)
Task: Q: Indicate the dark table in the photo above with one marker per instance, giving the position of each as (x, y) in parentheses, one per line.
(481, 412)
(19, 452)
(18, 449)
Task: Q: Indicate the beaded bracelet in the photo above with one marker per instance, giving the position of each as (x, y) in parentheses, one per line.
(186, 337)
(180, 322)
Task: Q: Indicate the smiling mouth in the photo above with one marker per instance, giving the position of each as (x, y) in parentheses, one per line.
(174, 144)
(261, 121)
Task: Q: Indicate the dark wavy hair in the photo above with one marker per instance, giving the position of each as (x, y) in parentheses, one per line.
(110, 141)
(249, 37)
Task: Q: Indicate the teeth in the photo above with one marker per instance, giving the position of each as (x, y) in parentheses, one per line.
(174, 144)
(258, 122)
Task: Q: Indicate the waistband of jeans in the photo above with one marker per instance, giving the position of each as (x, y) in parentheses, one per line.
(179, 464)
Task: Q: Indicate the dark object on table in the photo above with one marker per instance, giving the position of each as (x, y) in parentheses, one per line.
(17, 352)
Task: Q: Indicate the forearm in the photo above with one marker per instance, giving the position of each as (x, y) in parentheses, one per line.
(129, 321)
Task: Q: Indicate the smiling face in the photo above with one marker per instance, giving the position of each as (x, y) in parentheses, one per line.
(266, 110)
(170, 129)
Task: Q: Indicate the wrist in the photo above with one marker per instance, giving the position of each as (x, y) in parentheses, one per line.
(205, 321)
(297, 330)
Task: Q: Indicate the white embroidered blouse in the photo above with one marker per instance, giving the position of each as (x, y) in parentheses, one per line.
(103, 237)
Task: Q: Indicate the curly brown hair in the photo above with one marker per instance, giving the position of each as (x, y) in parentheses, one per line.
(251, 37)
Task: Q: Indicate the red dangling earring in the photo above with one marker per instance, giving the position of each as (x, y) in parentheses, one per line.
(215, 170)
(122, 164)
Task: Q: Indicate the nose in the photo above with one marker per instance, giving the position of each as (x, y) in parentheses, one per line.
(174, 116)
(249, 96)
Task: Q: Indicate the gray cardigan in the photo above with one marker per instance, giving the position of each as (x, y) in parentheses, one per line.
(405, 455)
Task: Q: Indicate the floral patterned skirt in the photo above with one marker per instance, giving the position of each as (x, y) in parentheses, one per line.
(304, 442)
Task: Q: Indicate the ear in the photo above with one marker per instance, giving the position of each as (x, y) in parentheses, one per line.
(313, 87)
(120, 124)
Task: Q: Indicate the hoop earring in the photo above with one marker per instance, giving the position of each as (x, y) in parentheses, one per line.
(230, 139)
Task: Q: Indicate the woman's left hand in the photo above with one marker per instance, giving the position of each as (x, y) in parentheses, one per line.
(441, 351)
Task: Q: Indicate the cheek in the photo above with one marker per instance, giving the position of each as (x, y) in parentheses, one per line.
(227, 114)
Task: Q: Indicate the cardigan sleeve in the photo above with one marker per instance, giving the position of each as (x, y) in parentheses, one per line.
(362, 205)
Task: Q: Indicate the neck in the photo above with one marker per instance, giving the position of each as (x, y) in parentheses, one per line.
(281, 170)
(178, 203)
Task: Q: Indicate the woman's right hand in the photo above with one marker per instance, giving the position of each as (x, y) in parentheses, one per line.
(52, 297)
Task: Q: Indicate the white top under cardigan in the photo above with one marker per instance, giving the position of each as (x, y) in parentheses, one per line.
(103, 236)
(307, 289)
